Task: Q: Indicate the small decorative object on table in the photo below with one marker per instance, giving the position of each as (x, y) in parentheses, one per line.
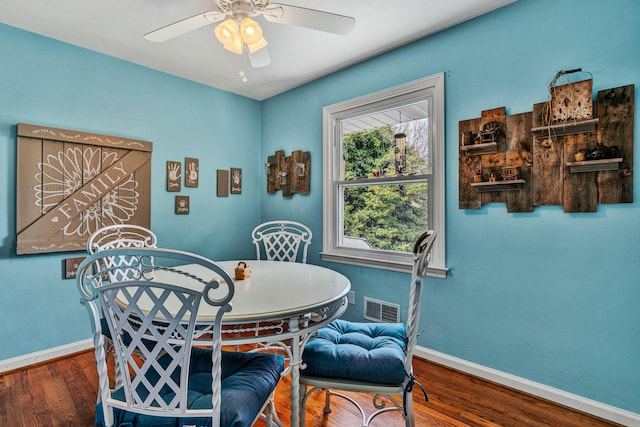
(509, 173)
(243, 271)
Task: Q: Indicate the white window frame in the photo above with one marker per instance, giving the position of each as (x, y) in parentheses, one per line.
(429, 87)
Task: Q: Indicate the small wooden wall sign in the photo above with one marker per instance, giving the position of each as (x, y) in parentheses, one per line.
(289, 174)
(223, 183)
(236, 181)
(182, 205)
(191, 172)
(173, 176)
(71, 267)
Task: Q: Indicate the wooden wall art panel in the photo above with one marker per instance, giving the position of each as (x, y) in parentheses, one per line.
(548, 157)
(222, 185)
(71, 183)
(533, 159)
(174, 173)
(182, 205)
(191, 172)
(236, 181)
(289, 174)
(615, 109)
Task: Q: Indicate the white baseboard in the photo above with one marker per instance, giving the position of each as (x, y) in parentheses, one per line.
(44, 355)
(561, 397)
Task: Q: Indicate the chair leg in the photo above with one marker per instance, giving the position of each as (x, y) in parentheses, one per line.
(327, 401)
(275, 420)
(302, 406)
(409, 417)
(268, 416)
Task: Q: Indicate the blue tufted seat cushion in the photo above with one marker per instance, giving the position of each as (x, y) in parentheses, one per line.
(248, 379)
(357, 351)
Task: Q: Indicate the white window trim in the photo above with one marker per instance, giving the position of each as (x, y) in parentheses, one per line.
(331, 170)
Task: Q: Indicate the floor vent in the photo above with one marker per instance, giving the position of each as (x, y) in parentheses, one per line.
(381, 311)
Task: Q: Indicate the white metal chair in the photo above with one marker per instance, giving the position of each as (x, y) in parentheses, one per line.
(119, 236)
(369, 357)
(282, 241)
(154, 313)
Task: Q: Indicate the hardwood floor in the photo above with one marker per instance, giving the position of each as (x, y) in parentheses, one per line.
(62, 393)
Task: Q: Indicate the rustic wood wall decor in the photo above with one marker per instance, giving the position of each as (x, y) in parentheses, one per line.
(191, 172)
(182, 205)
(289, 174)
(174, 173)
(534, 159)
(71, 183)
(223, 183)
(236, 181)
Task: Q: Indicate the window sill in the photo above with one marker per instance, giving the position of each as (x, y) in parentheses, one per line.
(403, 266)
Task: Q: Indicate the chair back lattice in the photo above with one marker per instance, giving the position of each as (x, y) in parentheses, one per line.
(151, 318)
(119, 236)
(282, 241)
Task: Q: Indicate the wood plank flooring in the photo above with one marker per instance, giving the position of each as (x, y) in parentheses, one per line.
(62, 393)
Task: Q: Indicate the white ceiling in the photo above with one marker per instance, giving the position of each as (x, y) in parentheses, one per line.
(298, 55)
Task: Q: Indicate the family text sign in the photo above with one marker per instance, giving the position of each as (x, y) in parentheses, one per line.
(71, 183)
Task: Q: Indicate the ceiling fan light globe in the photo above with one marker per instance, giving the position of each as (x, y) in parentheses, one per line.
(235, 45)
(227, 31)
(250, 30)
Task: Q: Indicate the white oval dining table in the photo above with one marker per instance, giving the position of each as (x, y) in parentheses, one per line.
(280, 305)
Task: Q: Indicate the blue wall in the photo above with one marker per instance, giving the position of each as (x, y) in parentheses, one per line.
(548, 296)
(45, 82)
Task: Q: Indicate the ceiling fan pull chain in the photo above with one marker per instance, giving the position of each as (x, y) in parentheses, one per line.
(241, 73)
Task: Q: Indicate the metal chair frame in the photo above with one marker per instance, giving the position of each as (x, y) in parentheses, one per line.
(282, 241)
(118, 236)
(154, 332)
(121, 236)
(383, 393)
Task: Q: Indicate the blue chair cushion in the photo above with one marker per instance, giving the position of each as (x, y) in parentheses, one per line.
(248, 379)
(357, 351)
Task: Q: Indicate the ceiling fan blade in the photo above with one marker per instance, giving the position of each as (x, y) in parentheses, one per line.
(260, 58)
(184, 26)
(309, 18)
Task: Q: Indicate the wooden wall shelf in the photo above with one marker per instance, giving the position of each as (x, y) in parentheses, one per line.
(545, 155)
(478, 149)
(511, 185)
(569, 128)
(595, 165)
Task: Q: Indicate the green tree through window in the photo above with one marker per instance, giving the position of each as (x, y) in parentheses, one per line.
(388, 216)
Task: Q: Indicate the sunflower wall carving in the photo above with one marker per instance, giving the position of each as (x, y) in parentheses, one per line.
(71, 183)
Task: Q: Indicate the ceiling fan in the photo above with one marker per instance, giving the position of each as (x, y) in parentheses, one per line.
(238, 31)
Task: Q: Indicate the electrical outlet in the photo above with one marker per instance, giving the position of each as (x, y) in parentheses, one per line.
(351, 297)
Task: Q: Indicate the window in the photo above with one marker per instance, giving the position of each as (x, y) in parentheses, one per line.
(384, 176)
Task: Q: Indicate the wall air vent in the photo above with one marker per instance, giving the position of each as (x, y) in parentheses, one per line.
(381, 311)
